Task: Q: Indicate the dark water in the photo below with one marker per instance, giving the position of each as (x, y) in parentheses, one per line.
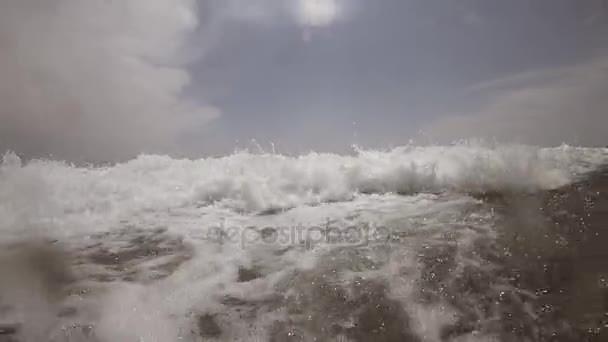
(552, 252)
(544, 278)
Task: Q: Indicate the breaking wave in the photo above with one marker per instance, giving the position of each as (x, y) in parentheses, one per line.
(257, 182)
(161, 249)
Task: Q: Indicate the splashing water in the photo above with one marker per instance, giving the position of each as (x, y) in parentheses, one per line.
(374, 246)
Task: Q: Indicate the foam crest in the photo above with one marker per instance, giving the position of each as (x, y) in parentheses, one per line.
(253, 182)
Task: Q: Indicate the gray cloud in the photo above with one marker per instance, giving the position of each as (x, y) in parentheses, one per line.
(95, 79)
(550, 107)
(105, 79)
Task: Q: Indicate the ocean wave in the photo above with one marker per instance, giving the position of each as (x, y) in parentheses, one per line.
(256, 182)
(140, 236)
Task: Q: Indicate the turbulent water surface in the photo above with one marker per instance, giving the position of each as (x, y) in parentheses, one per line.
(455, 243)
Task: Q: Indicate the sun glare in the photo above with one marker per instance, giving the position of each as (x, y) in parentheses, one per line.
(318, 13)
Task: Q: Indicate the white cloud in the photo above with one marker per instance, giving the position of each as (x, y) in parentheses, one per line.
(317, 13)
(562, 105)
(95, 79)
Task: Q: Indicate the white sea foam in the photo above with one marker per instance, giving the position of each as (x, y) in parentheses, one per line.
(417, 191)
(254, 182)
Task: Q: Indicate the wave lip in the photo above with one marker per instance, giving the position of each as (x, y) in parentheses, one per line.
(253, 182)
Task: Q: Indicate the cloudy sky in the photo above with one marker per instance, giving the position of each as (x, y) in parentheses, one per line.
(109, 79)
